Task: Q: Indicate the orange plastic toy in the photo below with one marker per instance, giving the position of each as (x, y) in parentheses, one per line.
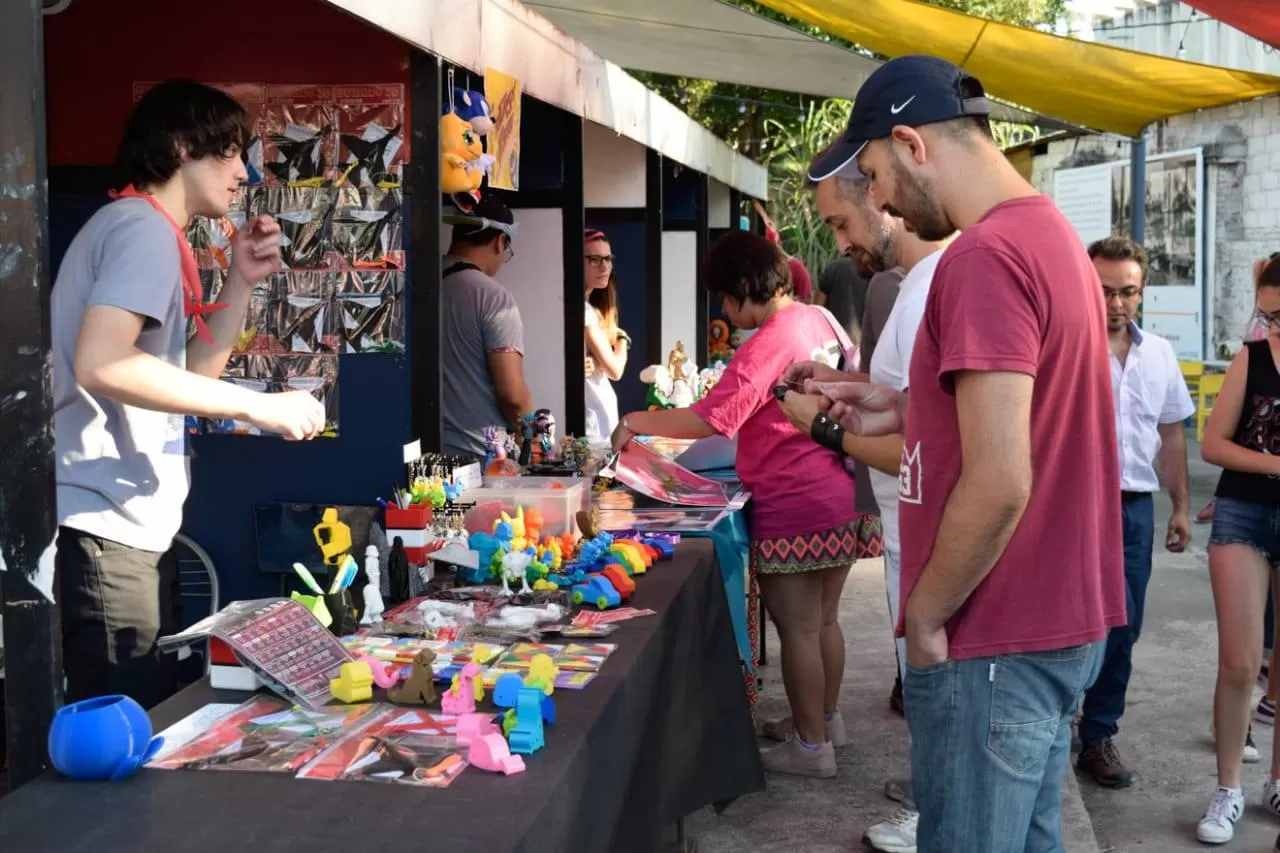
(621, 581)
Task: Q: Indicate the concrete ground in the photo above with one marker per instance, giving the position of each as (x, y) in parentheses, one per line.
(1164, 734)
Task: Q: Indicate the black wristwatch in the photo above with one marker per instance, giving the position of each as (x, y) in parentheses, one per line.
(827, 433)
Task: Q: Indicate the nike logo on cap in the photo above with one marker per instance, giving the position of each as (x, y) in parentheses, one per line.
(895, 109)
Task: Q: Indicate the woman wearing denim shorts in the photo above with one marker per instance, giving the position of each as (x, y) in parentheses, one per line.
(1243, 437)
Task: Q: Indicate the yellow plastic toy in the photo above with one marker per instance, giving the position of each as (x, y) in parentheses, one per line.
(353, 684)
(461, 170)
(542, 674)
(333, 537)
(542, 585)
(519, 539)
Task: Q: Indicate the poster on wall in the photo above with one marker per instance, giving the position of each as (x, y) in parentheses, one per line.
(1097, 200)
(502, 91)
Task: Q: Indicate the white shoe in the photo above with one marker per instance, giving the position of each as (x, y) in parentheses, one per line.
(895, 835)
(1271, 796)
(1251, 754)
(1218, 824)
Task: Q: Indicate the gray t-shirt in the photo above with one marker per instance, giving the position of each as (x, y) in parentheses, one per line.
(882, 292)
(122, 471)
(479, 317)
(846, 294)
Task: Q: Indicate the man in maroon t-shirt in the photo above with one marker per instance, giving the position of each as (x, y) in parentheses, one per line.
(1012, 567)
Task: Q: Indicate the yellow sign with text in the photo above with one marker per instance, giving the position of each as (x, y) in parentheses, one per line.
(502, 91)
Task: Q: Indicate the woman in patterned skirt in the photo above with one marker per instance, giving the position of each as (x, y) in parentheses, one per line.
(804, 530)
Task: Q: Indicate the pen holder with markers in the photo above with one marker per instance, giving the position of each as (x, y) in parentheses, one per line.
(342, 606)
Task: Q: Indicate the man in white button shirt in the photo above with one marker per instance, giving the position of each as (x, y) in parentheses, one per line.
(1151, 404)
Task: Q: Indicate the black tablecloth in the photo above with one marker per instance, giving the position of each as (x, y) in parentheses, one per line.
(662, 731)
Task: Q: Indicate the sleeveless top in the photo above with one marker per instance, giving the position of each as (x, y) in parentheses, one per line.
(1258, 429)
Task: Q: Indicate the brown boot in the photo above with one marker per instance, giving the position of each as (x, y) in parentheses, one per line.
(1101, 760)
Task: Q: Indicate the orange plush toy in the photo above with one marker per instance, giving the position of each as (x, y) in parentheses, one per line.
(463, 163)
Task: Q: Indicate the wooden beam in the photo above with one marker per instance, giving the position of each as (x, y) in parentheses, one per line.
(423, 203)
(28, 515)
(574, 222)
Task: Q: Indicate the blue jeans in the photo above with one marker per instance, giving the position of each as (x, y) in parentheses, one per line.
(1104, 703)
(990, 740)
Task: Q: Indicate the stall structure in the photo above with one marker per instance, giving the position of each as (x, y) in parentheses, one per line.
(313, 61)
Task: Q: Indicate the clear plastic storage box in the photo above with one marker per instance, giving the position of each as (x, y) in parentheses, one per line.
(557, 499)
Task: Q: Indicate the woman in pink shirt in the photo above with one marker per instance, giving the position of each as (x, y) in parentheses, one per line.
(804, 530)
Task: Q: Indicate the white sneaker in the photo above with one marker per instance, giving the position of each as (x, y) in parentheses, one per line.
(1271, 796)
(1218, 824)
(895, 835)
(1251, 754)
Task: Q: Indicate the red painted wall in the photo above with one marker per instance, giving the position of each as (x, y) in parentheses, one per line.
(97, 49)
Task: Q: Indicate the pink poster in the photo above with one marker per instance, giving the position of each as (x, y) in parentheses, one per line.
(650, 473)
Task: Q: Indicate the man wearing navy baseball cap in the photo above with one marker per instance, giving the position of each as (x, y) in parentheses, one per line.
(1008, 488)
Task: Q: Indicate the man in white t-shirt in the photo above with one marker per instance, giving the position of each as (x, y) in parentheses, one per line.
(881, 242)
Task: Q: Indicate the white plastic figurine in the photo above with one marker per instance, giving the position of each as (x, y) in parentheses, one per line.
(373, 606)
(515, 564)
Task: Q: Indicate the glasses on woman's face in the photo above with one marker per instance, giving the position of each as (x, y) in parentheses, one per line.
(509, 252)
(1272, 318)
(600, 261)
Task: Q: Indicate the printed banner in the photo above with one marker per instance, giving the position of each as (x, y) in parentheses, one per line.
(502, 91)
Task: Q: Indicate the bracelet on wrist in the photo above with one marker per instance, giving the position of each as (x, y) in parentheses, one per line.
(827, 433)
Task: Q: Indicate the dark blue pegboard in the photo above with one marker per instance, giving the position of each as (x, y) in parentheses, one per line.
(626, 240)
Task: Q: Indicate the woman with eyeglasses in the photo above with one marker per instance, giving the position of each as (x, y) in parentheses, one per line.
(606, 343)
(1243, 438)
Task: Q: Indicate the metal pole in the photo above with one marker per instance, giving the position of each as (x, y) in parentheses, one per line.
(422, 199)
(28, 518)
(1138, 195)
(1138, 189)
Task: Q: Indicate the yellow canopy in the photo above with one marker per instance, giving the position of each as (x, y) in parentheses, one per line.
(1098, 86)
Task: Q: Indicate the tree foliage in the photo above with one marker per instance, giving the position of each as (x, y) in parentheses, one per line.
(785, 130)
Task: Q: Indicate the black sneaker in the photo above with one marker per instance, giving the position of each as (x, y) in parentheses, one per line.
(895, 698)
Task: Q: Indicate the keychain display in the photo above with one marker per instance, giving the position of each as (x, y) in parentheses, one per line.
(297, 132)
(303, 213)
(260, 326)
(368, 313)
(315, 373)
(303, 306)
(366, 231)
(371, 140)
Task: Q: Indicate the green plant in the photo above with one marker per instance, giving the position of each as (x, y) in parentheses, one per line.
(793, 145)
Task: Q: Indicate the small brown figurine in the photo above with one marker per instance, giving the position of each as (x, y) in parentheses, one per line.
(420, 687)
(589, 522)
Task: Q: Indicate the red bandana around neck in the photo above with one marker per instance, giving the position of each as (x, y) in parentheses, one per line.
(193, 302)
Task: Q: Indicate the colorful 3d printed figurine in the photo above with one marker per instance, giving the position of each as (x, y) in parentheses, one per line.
(372, 594)
(420, 688)
(515, 566)
(398, 572)
(523, 723)
(353, 684)
(466, 690)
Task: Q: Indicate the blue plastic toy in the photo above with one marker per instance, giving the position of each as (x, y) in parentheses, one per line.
(506, 690)
(548, 710)
(527, 736)
(99, 739)
(598, 591)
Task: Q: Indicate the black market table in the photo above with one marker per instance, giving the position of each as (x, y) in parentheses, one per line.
(662, 731)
